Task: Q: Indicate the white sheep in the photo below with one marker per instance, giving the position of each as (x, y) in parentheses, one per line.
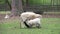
(30, 15)
(26, 15)
(34, 22)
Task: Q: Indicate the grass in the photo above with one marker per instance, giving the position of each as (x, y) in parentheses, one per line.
(8, 12)
(12, 26)
(52, 12)
(5, 12)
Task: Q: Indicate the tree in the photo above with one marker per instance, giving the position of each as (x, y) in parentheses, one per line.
(27, 3)
(9, 4)
(16, 7)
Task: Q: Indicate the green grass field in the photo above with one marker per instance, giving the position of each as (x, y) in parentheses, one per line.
(5, 12)
(12, 26)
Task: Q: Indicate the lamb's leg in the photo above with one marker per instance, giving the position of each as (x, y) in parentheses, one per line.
(38, 25)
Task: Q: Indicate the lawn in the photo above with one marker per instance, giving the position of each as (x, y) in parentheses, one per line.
(5, 12)
(12, 26)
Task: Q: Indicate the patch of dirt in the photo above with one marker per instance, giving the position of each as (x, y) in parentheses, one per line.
(51, 16)
(2, 16)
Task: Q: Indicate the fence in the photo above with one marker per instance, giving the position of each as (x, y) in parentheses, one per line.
(38, 5)
(43, 5)
(4, 7)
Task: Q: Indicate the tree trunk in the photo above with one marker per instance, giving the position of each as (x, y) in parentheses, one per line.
(20, 6)
(8, 4)
(16, 7)
(27, 2)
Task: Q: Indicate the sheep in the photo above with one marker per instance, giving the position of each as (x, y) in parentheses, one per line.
(25, 15)
(34, 23)
(31, 15)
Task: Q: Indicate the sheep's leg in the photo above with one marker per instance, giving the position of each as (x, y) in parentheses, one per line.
(30, 25)
(38, 25)
(22, 25)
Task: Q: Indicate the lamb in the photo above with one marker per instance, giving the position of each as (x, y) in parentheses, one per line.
(31, 15)
(34, 23)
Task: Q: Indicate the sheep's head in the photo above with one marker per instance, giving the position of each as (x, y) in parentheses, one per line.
(38, 16)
